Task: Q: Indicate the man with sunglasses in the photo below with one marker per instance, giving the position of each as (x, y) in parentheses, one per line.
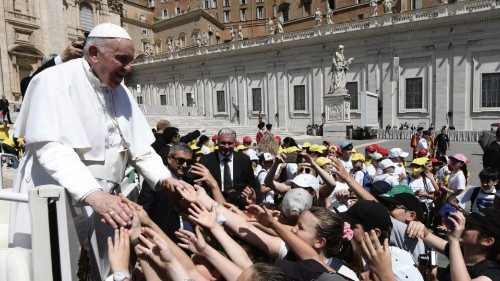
(159, 207)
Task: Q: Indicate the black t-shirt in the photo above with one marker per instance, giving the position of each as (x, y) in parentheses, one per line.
(487, 268)
(442, 141)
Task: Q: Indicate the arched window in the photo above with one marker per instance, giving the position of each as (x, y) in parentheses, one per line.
(86, 22)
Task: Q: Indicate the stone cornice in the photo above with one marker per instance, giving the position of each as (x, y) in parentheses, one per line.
(186, 17)
(455, 14)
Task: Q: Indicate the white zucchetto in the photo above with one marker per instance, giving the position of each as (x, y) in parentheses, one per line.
(109, 30)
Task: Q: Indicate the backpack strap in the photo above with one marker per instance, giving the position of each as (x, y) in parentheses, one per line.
(473, 197)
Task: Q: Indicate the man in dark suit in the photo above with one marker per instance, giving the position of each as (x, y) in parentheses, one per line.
(159, 207)
(231, 169)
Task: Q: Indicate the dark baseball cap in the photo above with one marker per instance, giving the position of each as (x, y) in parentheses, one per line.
(409, 201)
(488, 219)
(379, 187)
(370, 214)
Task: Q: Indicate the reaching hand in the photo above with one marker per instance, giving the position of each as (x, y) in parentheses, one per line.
(307, 158)
(458, 221)
(193, 194)
(194, 243)
(119, 251)
(202, 216)
(204, 174)
(144, 218)
(249, 196)
(110, 207)
(416, 229)
(264, 216)
(339, 169)
(72, 51)
(235, 209)
(377, 256)
(153, 246)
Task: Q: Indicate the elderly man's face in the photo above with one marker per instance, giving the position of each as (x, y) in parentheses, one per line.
(226, 144)
(112, 63)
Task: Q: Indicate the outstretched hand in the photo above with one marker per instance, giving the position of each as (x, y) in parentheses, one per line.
(119, 250)
(263, 215)
(202, 216)
(192, 242)
(153, 246)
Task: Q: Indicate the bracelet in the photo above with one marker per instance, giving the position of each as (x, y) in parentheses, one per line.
(134, 242)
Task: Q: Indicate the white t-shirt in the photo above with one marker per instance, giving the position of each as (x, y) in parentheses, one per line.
(371, 170)
(422, 144)
(418, 184)
(388, 178)
(358, 176)
(483, 200)
(456, 181)
(347, 165)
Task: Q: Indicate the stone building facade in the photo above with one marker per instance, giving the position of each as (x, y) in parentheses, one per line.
(433, 65)
(154, 24)
(32, 29)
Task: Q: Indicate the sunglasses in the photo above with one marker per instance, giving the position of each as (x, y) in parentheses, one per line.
(181, 161)
(304, 170)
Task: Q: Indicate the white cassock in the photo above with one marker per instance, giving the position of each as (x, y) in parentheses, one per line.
(80, 135)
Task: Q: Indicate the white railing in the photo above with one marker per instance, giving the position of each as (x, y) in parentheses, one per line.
(55, 244)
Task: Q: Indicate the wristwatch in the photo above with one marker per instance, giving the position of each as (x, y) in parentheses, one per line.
(121, 275)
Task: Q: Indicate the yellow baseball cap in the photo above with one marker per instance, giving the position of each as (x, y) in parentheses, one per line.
(357, 157)
(421, 161)
(292, 149)
(322, 161)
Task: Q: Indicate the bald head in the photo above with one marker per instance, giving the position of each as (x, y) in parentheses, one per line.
(162, 125)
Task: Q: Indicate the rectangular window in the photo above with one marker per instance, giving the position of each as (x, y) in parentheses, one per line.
(227, 16)
(205, 5)
(227, 3)
(214, 4)
(144, 31)
(164, 14)
(299, 97)
(260, 12)
(307, 9)
(163, 99)
(139, 100)
(243, 2)
(284, 12)
(177, 10)
(490, 90)
(221, 101)
(243, 14)
(256, 99)
(414, 94)
(352, 90)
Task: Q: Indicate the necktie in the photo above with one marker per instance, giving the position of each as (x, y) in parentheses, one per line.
(228, 183)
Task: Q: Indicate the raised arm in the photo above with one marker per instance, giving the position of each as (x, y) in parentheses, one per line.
(342, 174)
(208, 219)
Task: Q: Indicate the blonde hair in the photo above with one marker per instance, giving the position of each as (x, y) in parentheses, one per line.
(268, 144)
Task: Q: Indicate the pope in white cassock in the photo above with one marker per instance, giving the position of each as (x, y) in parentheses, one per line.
(82, 126)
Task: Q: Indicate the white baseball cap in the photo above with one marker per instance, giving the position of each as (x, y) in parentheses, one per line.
(252, 154)
(306, 180)
(268, 157)
(397, 152)
(386, 163)
(109, 30)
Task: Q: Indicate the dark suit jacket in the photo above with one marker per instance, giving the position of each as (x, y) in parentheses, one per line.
(160, 210)
(242, 168)
(162, 148)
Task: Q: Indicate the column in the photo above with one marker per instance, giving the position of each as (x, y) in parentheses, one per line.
(441, 89)
(459, 86)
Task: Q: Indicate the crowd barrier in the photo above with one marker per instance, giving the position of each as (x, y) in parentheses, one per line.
(55, 244)
(471, 136)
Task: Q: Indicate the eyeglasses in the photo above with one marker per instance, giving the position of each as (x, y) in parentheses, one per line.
(305, 171)
(181, 161)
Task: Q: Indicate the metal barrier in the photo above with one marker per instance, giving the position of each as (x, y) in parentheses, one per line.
(406, 135)
(55, 244)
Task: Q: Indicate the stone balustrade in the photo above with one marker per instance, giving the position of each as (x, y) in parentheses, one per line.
(457, 9)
